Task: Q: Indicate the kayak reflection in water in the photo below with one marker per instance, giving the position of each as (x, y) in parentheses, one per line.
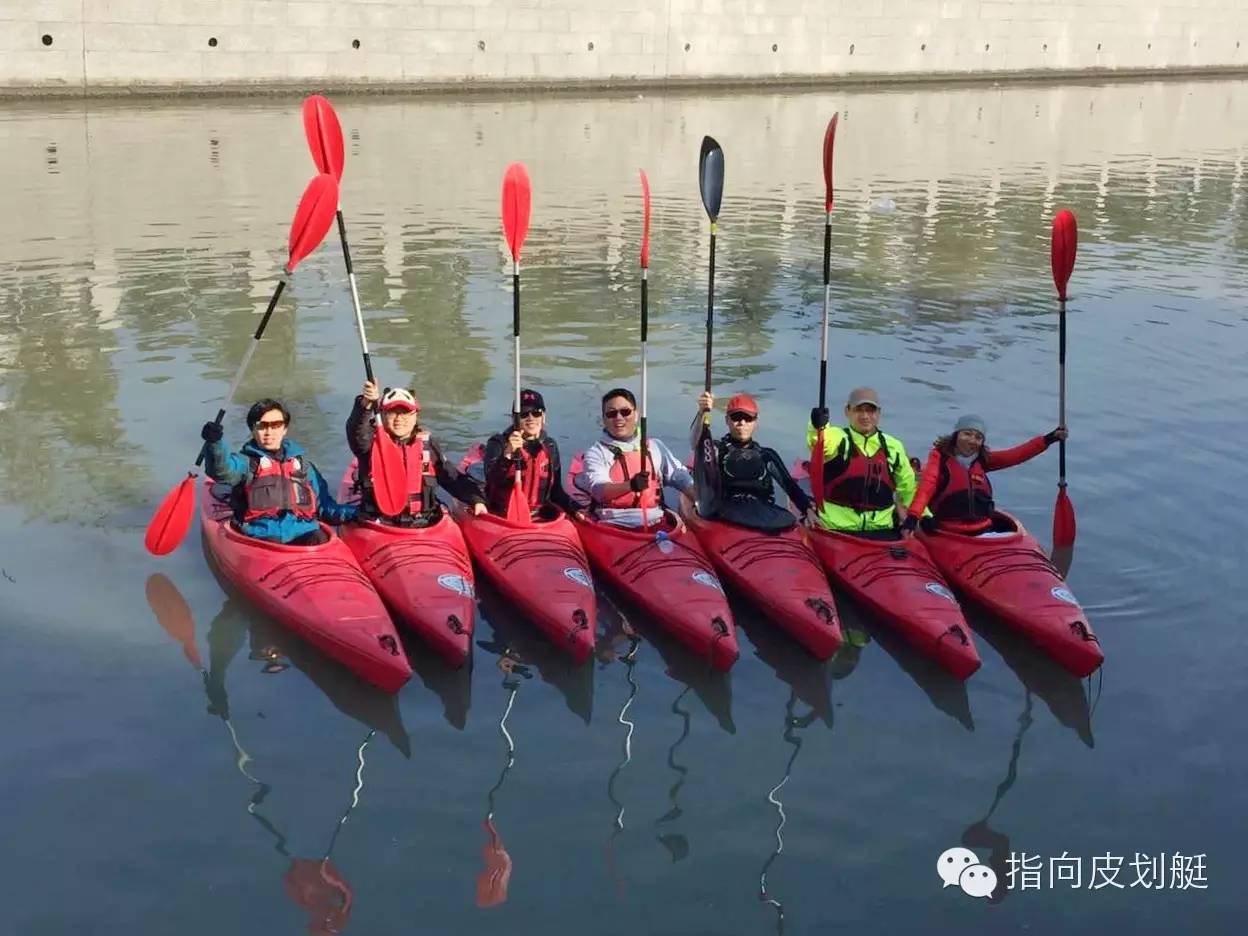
(863, 471)
(748, 471)
(422, 458)
(955, 485)
(526, 445)
(618, 484)
(277, 494)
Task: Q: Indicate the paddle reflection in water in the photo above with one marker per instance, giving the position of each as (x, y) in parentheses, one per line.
(314, 884)
(981, 835)
(607, 654)
(495, 877)
(792, 724)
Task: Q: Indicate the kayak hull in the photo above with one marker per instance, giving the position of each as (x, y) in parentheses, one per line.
(778, 572)
(1011, 577)
(423, 574)
(317, 592)
(667, 574)
(542, 569)
(898, 582)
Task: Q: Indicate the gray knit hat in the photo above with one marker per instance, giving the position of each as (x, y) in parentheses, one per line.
(971, 421)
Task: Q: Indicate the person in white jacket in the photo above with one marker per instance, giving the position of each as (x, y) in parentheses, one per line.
(622, 489)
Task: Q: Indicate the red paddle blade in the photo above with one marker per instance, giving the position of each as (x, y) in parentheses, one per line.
(173, 614)
(645, 219)
(1063, 521)
(1062, 250)
(517, 201)
(172, 519)
(389, 474)
(312, 218)
(518, 506)
(493, 880)
(829, 141)
(324, 133)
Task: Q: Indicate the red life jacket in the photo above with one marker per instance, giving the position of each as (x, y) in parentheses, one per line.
(853, 480)
(536, 477)
(626, 465)
(274, 487)
(963, 496)
(418, 464)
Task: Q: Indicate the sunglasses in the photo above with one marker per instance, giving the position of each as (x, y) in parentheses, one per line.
(742, 417)
(273, 424)
(623, 412)
(531, 413)
(400, 411)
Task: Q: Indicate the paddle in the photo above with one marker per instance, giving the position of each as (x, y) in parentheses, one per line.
(173, 614)
(315, 214)
(324, 135)
(706, 457)
(1062, 258)
(816, 453)
(517, 201)
(643, 500)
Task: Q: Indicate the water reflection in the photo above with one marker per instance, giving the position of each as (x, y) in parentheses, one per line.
(607, 654)
(453, 686)
(495, 877)
(792, 724)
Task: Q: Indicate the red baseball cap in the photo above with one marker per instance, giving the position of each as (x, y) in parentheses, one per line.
(743, 403)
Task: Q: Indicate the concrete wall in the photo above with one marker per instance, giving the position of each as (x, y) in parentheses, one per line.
(119, 45)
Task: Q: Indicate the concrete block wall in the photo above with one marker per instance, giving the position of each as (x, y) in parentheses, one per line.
(120, 45)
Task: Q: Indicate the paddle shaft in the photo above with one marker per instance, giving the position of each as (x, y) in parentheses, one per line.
(827, 301)
(645, 329)
(355, 297)
(710, 316)
(515, 336)
(1061, 391)
(251, 350)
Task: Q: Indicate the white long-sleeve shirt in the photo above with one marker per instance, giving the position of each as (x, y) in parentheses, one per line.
(598, 461)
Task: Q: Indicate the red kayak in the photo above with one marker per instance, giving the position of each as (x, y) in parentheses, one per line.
(423, 573)
(1012, 577)
(317, 592)
(778, 572)
(666, 573)
(542, 569)
(898, 581)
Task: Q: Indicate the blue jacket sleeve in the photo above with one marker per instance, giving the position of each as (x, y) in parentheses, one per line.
(329, 509)
(223, 466)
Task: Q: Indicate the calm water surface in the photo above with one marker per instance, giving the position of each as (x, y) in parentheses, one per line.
(636, 794)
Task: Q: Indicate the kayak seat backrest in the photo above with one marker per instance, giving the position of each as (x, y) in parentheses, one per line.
(221, 492)
(575, 483)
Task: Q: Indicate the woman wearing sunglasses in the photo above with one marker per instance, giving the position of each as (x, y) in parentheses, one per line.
(525, 442)
(617, 482)
(277, 494)
(748, 471)
(400, 417)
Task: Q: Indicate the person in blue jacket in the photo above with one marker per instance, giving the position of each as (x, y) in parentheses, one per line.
(278, 494)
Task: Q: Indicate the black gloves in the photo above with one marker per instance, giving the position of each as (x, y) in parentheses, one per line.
(211, 433)
(819, 417)
(1051, 437)
(910, 523)
(639, 482)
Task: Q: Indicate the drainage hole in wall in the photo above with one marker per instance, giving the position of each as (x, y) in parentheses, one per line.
(212, 43)
(1045, 47)
(923, 47)
(1150, 45)
(688, 46)
(985, 47)
(47, 39)
(481, 44)
(775, 47)
(590, 46)
(851, 49)
(1098, 47)
(355, 43)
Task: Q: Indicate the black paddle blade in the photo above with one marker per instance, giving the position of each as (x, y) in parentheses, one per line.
(711, 176)
(706, 473)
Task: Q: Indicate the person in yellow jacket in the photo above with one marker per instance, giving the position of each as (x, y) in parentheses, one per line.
(863, 474)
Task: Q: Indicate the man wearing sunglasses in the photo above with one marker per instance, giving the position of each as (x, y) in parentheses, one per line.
(277, 494)
(748, 471)
(426, 468)
(525, 444)
(864, 474)
(618, 483)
